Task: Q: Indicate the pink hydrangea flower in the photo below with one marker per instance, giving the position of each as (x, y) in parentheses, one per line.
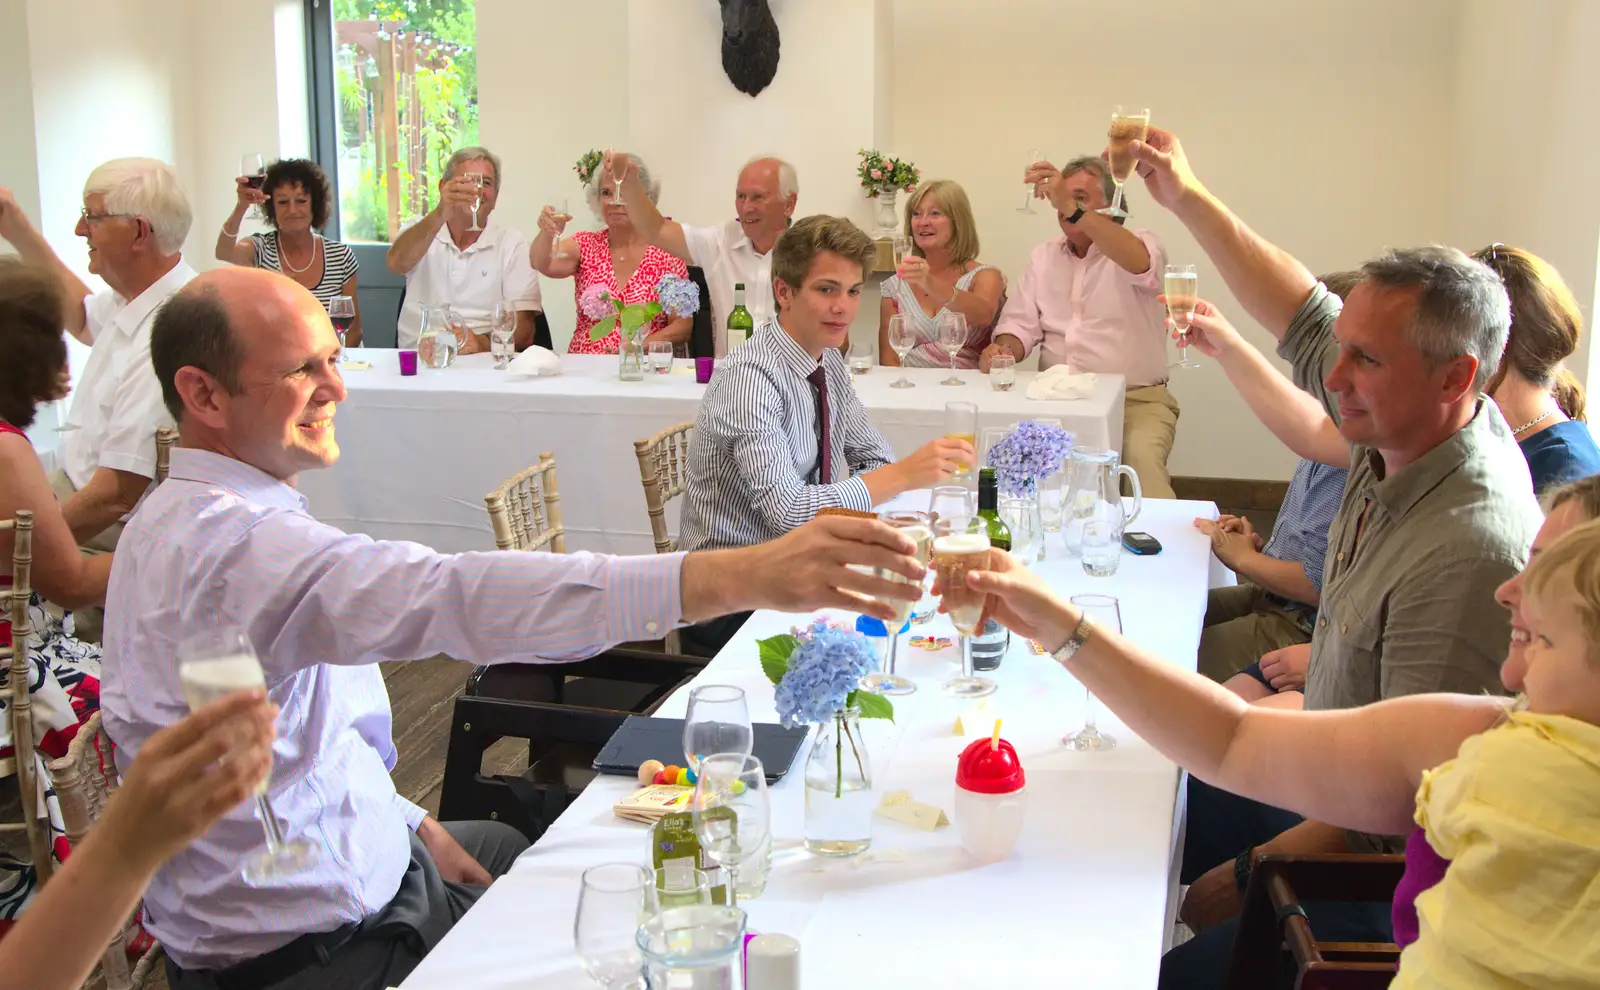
(596, 303)
(877, 174)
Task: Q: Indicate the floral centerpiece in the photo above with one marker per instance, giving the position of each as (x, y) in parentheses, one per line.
(880, 175)
(675, 295)
(818, 672)
(588, 164)
(1031, 451)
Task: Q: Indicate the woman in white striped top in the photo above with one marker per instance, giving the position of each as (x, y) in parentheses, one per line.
(295, 198)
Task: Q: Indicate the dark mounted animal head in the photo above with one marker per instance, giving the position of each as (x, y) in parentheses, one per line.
(749, 44)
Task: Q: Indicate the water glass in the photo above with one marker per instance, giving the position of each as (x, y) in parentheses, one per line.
(952, 337)
(1102, 547)
(1105, 612)
(1002, 372)
(658, 357)
(732, 813)
(699, 947)
(1021, 516)
(503, 345)
(613, 901)
(717, 721)
(860, 358)
(679, 884)
(1052, 500)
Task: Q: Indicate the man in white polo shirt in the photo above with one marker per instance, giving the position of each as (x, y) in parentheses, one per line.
(448, 264)
(135, 218)
(739, 251)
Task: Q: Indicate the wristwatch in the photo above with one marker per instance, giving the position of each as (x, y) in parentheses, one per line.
(1078, 215)
(1243, 865)
(1074, 643)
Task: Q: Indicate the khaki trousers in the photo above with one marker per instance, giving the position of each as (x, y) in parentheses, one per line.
(1242, 624)
(87, 622)
(1149, 426)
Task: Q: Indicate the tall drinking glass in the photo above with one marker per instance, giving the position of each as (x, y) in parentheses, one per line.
(902, 338)
(1021, 516)
(342, 314)
(961, 423)
(503, 334)
(1034, 155)
(901, 246)
(563, 211)
(952, 337)
(254, 170)
(213, 665)
(918, 527)
(951, 502)
(1127, 126)
(613, 901)
(1182, 289)
(717, 721)
(1105, 612)
(476, 178)
(731, 811)
(959, 546)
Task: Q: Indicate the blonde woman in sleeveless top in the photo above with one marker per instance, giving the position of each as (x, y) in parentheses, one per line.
(942, 273)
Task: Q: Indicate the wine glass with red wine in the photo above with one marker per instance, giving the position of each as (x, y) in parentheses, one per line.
(254, 170)
(342, 311)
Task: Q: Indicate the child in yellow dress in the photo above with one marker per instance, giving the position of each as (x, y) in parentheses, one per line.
(1517, 812)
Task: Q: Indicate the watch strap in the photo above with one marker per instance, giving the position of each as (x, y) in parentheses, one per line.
(1078, 215)
(1080, 635)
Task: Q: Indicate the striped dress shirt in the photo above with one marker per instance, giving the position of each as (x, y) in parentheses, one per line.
(222, 543)
(753, 464)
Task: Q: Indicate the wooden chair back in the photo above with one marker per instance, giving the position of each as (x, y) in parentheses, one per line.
(165, 438)
(663, 470)
(526, 511)
(1273, 922)
(20, 702)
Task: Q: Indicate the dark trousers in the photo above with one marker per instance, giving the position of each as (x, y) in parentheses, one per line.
(706, 639)
(387, 946)
(1223, 825)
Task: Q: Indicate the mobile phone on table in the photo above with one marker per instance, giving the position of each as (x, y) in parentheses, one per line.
(1142, 544)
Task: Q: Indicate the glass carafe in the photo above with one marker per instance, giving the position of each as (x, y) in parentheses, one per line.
(437, 343)
(693, 948)
(1094, 492)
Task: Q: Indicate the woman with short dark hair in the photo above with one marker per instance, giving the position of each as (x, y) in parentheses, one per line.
(296, 198)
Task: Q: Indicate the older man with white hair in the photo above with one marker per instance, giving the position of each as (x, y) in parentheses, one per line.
(135, 218)
(446, 262)
(736, 252)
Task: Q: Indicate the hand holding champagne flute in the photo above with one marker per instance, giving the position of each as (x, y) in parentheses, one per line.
(917, 526)
(961, 423)
(961, 545)
(1182, 291)
(1127, 126)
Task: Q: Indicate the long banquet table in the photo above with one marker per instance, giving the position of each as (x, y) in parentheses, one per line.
(418, 454)
(1087, 899)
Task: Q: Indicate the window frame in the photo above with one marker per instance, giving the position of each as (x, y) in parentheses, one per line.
(323, 114)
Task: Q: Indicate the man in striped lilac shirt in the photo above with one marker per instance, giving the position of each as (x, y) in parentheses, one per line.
(781, 432)
(248, 367)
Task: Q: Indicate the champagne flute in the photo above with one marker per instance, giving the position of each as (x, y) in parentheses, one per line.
(952, 336)
(1182, 289)
(731, 812)
(1127, 126)
(563, 211)
(342, 313)
(901, 247)
(503, 334)
(1034, 155)
(717, 721)
(215, 664)
(254, 170)
(917, 526)
(961, 545)
(902, 338)
(476, 179)
(961, 423)
(1105, 612)
(613, 901)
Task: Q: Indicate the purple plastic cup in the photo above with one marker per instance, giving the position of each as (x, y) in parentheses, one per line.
(408, 362)
(702, 369)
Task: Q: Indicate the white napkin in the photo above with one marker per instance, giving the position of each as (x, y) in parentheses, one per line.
(535, 362)
(1060, 383)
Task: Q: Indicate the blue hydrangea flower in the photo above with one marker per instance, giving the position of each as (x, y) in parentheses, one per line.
(823, 670)
(678, 296)
(1032, 450)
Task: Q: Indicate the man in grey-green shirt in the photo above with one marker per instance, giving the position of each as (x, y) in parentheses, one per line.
(1438, 508)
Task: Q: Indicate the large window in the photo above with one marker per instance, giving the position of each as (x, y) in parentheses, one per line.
(404, 94)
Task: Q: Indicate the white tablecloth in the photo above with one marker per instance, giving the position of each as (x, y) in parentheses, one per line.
(418, 454)
(1086, 899)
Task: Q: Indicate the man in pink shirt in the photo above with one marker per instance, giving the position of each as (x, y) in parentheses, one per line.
(1089, 297)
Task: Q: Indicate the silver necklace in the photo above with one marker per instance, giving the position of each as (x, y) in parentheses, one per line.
(283, 256)
(1530, 424)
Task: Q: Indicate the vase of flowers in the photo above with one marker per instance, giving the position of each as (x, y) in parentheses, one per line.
(1031, 451)
(817, 671)
(675, 296)
(884, 179)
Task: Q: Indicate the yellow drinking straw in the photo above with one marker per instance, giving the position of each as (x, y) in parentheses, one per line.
(994, 740)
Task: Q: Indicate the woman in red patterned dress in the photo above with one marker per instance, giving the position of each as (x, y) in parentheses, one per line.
(615, 257)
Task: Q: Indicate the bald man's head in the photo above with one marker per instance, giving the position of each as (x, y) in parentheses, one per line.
(765, 199)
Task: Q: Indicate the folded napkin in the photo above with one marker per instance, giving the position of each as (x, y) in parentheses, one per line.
(1060, 383)
(535, 362)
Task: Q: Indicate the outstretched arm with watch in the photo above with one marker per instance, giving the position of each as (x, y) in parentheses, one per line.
(1081, 210)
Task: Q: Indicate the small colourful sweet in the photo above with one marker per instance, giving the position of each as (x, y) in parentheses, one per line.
(683, 776)
(693, 776)
(648, 770)
(672, 771)
(663, 778)
(738, 787)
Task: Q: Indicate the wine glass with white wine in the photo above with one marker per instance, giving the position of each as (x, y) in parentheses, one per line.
(902, 338)
(1034, 155)
(213, 665)
(1127, 126)
(1182, 290)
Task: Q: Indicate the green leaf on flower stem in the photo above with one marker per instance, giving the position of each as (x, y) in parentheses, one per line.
(775, 653)
(871, 705)
(601, 329)
(634, 317)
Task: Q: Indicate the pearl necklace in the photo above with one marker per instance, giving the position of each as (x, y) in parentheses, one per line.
(1530, 424)
(283, 256)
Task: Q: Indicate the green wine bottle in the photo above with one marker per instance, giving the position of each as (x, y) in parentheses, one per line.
(740, 324)
(990, 644)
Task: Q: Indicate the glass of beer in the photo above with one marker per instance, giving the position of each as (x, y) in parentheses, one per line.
(213, 665)
(919, 527)
(961, 423)
(961, 545)
(1127, 126)
(1181, 286)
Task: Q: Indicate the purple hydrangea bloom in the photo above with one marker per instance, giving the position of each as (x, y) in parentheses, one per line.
(823, 670)
(1032, 450)
(678, 296)
(596, 303)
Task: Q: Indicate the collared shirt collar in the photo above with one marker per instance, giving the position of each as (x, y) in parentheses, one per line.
(741, 240)
(790, 351)
(205, 467)
(1401, 491)
(132, 314)
(488, 240)
(1064, 246)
